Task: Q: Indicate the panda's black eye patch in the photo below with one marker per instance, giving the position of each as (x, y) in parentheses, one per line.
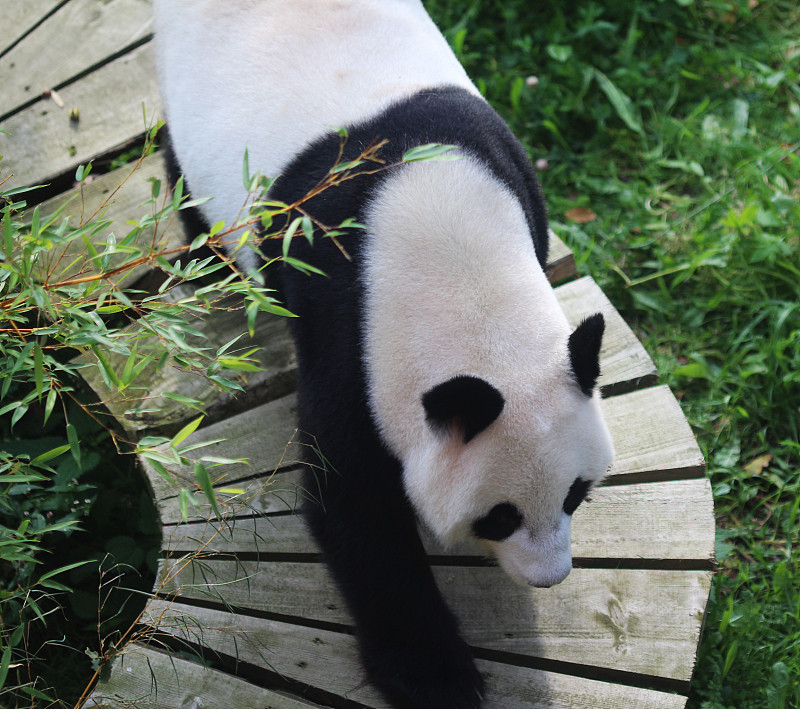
(501, 522)
(577, 494)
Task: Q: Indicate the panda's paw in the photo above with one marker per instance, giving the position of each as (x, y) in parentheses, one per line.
(433, 677)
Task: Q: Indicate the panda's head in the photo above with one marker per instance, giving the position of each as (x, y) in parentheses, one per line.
(508, 465)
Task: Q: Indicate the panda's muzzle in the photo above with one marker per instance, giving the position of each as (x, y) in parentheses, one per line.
(541, 560)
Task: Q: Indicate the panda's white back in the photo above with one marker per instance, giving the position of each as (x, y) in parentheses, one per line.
(270, 76)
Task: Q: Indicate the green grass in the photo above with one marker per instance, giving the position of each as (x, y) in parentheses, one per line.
(677, 124)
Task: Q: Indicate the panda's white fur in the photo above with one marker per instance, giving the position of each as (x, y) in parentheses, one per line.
(280, 79)
(458, 308)
(446, 283)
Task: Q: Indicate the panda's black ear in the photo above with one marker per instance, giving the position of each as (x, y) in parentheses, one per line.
(584, 351)
(466, 403)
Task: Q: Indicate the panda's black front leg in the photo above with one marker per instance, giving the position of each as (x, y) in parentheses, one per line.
(408, 637)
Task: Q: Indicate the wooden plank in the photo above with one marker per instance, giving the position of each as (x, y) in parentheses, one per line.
(262, 437)
(44, 142)
(509, 687)
(151, 679)
(660, 446)
(625, 363)
(652, 439)
(560, 260)
(319, 658)
(267, 494)
(328, 660)
(118, 197)
(17, 18)
(678, 517)
(78, 36)
(644, 523)
(275, 355)
(610, 618)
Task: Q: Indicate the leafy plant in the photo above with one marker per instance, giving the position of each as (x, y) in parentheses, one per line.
(69, 301)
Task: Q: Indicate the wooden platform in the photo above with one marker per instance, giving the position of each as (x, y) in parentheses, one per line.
(248, 596)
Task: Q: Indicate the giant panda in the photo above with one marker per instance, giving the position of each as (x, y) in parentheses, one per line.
(439, 382)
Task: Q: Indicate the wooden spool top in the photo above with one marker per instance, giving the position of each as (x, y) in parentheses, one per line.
(249, 593)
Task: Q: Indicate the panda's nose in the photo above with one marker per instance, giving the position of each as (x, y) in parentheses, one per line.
(551, 577)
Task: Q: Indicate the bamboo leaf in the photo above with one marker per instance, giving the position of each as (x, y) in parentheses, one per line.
(74, 443)
(35, 223)
(287, 237)
(63, 569)
(33, 604)
(5, 663)
(161, 470)
(186, 431)
(430, 151)
(21, 478)
(127, 371)
(19, 412)
(177, 193)
(49, 455)
(308, 229)
(201, 474)
(199, 241)
(184, 504)
(303, 266)
(35, 693)
(21, 358)
(246, 170)
(50, 403)
(344, 166)
(185, 400)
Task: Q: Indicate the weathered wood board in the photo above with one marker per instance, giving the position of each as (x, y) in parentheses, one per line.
(152, 679)
(45, 143)
(646, 523)
(18, 18)
(81, 34)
